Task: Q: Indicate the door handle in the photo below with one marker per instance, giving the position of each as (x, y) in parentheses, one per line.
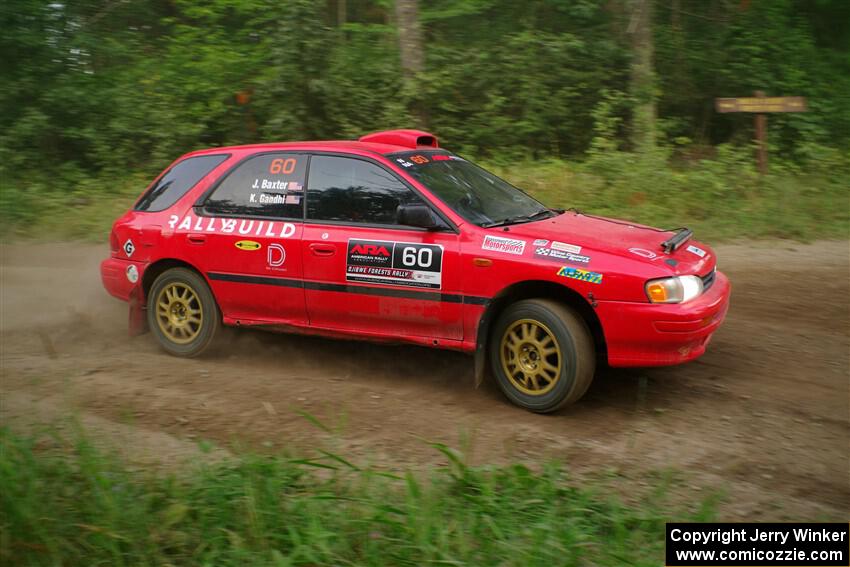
(197, 238)
(320, 249)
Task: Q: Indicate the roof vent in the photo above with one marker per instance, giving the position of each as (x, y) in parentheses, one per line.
(406, 138)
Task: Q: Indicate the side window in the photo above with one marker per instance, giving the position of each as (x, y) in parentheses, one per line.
(269, 185)
(177, 181)
(353, 190)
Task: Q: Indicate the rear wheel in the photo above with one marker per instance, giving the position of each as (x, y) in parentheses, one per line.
(182, 312)
(542, 355)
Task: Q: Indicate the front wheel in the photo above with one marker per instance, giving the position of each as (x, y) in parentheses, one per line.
(542, 355)
(182, 312)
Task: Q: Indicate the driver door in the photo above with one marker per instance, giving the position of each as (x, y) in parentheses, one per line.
(364, 272)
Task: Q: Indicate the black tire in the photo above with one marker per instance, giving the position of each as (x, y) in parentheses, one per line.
(195, 337)
(520, 372)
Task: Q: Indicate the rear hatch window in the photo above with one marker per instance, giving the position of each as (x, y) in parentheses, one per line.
(177, 181)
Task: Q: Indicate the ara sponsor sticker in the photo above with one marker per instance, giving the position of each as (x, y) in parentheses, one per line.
(501, 244)
(579, 274)
(407, 264)
(540, 242)
(696, 250)
(564, 247)
(560, 255)
(269, 229)
(129, 248)
(643, 253)
(275, 257)
(248, 245)
(132, 273)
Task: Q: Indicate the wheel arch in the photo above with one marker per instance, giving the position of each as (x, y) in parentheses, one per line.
(138, 297)
(534, 289)
(160, 266)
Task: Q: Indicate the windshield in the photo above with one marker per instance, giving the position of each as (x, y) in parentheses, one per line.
(475, 194)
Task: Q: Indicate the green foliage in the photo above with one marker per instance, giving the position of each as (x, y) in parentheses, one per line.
(722, 198)
(782, 47)
(134, 84)
(86, 508)
(98, 96)
(520, 78)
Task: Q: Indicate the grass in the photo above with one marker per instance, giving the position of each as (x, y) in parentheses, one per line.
(83, 211)
(722, 198)
(80, 506)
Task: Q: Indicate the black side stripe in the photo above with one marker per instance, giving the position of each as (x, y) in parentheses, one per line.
(240, 278)
(357, 289)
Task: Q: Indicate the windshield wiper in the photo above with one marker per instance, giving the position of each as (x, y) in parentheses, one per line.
(542, 213)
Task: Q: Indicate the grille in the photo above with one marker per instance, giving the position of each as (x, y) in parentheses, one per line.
(708, 279)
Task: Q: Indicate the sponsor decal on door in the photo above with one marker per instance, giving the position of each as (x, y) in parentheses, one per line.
(275, 257)
(394, 263)
(248, 245)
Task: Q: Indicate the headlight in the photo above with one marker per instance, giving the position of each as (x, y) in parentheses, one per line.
(673, 290)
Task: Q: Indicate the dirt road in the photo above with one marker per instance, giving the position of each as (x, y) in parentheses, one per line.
(763, 416)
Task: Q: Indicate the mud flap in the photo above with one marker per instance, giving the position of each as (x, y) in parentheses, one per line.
(137, 320)
(480, 364)
(480, 368)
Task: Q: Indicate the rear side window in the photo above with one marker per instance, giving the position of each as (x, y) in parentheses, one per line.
(268, 185)
(177, 181)
(353, 190)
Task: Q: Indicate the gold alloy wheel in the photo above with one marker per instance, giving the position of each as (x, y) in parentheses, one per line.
(531, 357)
(178, 313)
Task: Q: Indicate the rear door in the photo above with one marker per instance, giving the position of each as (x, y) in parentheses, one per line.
(248, 230)
(365, 272)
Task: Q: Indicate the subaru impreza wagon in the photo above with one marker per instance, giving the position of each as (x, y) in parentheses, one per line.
(392, 238)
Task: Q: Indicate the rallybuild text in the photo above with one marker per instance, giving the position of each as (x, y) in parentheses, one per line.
(740, 544)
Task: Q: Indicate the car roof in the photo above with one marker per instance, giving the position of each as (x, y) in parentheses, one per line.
(330, 145)
(382, 143)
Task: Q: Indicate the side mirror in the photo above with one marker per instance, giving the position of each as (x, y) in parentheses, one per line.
(416, 215)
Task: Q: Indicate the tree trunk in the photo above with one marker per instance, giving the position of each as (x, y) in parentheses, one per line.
(412, 56)
(642, 81)
(341, 13)
(409, 37)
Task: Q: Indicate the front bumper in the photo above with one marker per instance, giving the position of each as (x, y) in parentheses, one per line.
(647, 334)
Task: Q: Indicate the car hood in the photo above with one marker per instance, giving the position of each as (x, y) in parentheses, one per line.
(618, 238)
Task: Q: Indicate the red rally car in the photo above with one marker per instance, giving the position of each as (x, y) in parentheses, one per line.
(390, 238)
